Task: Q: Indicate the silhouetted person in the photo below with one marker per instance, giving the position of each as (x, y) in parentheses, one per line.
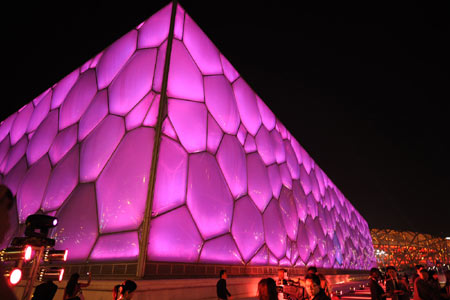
(73, 288)
(422, 288)
(126, 290)
(312, 270)
(267, 289)
(221, 286)
(445, 291)
(394, 288)
(281, 280)
(115, 292)
(376, 291)
(325, 285)
(45, 291)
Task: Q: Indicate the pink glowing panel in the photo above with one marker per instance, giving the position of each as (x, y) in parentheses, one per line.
(133, 83)
(94, 114)
(43, 137)
(281, 129)
(78, 99)
(306, 160)
(116, 247)
(85, 66)
(250, 144)
(39, 98)
(179, 23)
(208, 196)
(316, 259)
(267, 116)
(285, 262)
(95, 60)
(305, 180)
(280, 152)
(136, 116)
(285, 176)
(265, 146)
(304, 249)
(4, 147)
(242, 133)
(221, 250)
(63, 142)
(219, 98)
(275, 179)
(311, 205)
(321, 241)
(62, 181)
(201, 48)
(320, 179)
(189, 120)
(274, 229)
(231, 158)
(63, 87)
(115, 58)
(289, 213)
(185, 80)
(259, 188)
(312, 234)
(20, 125)
(15, 176)
(294, 255)
(32, 189)
(261, 258)
(228, 70)
(98, 147)
(159, 69)
(247, 228)
(152, 115)
(15, 154)
(156, 29)
(315, 186)
(170, 185)
(214, 135)
(122, 186)
(40, 112)
(77, 227)
(174, 237)
(168, 130)
(248, 109)
(5, 126)
(272, 259)
(291, 160)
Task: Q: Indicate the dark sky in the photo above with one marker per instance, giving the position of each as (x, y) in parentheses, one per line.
(364, 89)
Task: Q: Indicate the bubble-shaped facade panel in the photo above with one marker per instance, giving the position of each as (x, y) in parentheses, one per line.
(228, 70)
(63, 142)
(221, 250)
(20, 125)
(248, 109)
(95, 113)
(116, 247)
(63, 87)
(214, 135)
(265, 145)
(136, 116)
(40, 112)
(288, 212)
(156, 29)
(259, 188)
(43, 138)
(13, 179)
(274, 229)
(15, 154)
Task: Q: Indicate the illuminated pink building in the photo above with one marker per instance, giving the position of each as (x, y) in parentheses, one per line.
(173, 159)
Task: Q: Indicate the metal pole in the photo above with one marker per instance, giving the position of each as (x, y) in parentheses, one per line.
(33, 273)
(143, 244)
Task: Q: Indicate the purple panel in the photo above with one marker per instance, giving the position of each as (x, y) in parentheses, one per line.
(170, 185)
(248, 109)
(288, 248)
(4, 147)
(300, 200)
(259, 188)
(95, 60)
(15, 154)
(208, 196)
(297, 149)
(288, 212)
(168, 130)
(115, 58)
(306, 160)
(85, 66)
(229, 71)
(320, 179)
(63, 87)
(312, 234)
(291, 160)
(159, 69)
(219, 98)
(331, 250)
(78, 99)
(261, 258)
(303, 246)
(185, 80)
(179, 23)
(63, 142)
(281, 129)
(221, 250)
(250, 144)
(189, 120)
(305, 180)
(174, 237)
(122, 186)
(15, 176)
(201, 48)
(311, 204)
(133, 83)
(286, 178)
(63, 180)
(321, 241)
(40, 112)
(315, 186)
(39, 98)
(98, 147)
(272, 259)
(21, 123)
(242, 133)
(231, 158)
(32, 189)
(280, 153)
(285, 262)
(267, 116)
(77, 227)
(43, 138)
(136, 116)
(265, 146)
(294, 255)
(274, 229)
(214, 135)
(152, 116)
(275, 179)
(156, 29)
(247, 228)
(5, 126)
(116, 247)
(94, 114)
(316, 259)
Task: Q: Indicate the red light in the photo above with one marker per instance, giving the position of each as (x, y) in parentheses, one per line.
(61, 274)
(28, 252)
(15, 276)
(65, 256)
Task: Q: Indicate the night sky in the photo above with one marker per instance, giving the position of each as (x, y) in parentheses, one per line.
(364, 89)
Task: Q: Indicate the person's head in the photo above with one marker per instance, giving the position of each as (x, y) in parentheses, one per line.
(323, 281)
(115, 292)
(267, 289)
(223, 274)
(6, 203)
(374, 273)
(391, 271)
(126, 289)
(281, 273)
(433, 274)
(423, 274)
(312, 285)
(72, 284)
(311, 270)
(418, 268)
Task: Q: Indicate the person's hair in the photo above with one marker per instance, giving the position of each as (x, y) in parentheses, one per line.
(391, 268)
(418, 267)
(221, 273)
(314, 278)
(267, 289)
(6, 195)
(127, 286)
(116, 291)
(374, 270)
(312, 268)
(72, 284)
(423, 271)
(432, 272)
